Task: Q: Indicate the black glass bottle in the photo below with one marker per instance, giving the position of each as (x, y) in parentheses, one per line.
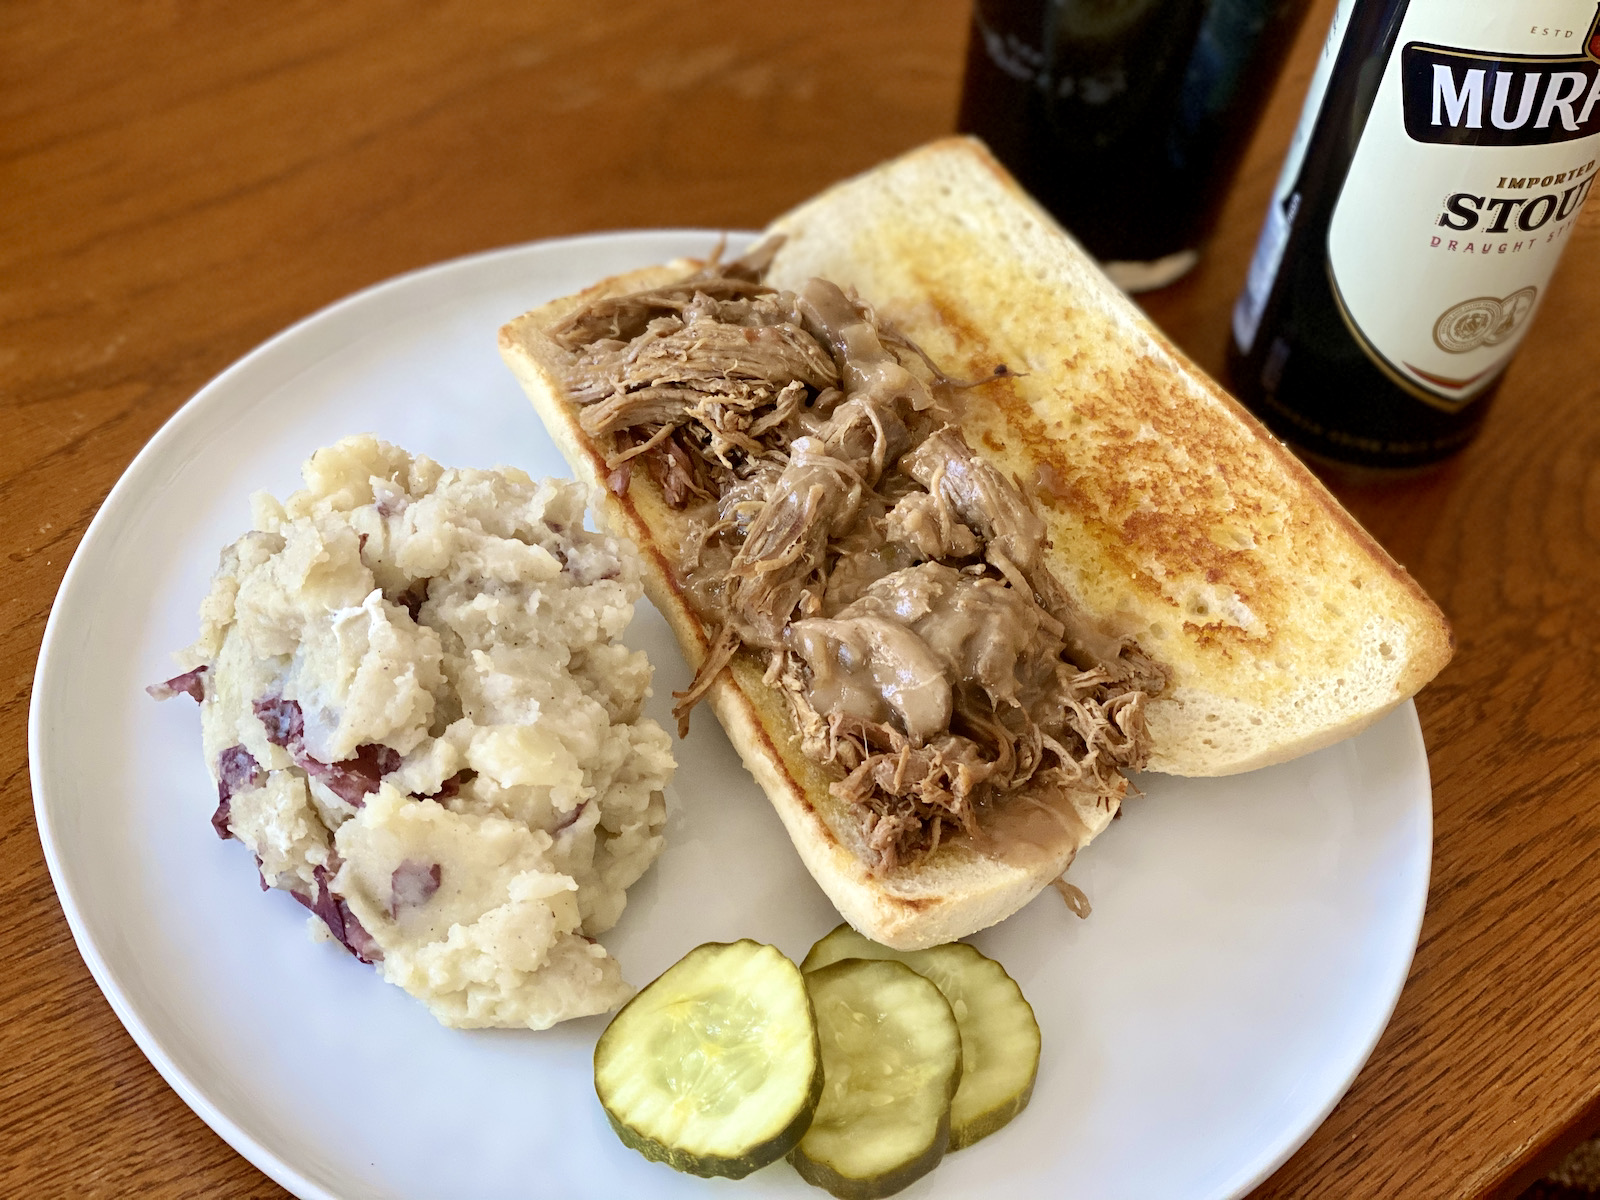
(1125, 118)
(1442, 157)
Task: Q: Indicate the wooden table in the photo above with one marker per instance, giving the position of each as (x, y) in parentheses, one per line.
(178, 182)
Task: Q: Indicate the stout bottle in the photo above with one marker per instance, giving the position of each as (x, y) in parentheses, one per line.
(1442, 158)
(1125, 118)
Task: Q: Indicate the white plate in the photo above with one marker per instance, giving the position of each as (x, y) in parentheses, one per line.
(1249, 939)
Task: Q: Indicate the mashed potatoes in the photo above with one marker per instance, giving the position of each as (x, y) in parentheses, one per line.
(423, 727)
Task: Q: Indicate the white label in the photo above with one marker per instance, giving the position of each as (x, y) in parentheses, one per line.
(1285, 205)
(1480, 150)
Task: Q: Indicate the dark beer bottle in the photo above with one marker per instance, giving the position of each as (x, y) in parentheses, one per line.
(1442, 158)
(1125, 118)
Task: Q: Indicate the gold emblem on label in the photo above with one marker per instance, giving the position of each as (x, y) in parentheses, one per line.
(1483, 321)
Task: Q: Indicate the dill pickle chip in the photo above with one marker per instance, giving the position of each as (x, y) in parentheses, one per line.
(999, 1036)
(891, 1060)
(714, 1068)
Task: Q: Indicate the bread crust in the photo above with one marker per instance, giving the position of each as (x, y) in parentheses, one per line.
(946, 246)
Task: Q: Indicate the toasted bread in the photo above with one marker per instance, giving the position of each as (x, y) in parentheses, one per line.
(1174, 519)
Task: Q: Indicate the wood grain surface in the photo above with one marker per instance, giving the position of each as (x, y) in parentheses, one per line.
(180, 181)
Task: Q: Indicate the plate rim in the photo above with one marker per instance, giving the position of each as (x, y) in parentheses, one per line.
(1250, 1173)
(1252, 1176)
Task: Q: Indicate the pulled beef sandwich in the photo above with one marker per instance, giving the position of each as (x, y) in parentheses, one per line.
(956, 539)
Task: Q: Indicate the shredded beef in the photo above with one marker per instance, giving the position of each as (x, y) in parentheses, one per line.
(839, 522)
(992, 506)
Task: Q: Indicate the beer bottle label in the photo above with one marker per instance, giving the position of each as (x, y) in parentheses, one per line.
(1466, 183)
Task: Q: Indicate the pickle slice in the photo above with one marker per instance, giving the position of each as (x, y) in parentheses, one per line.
(999, 1036)
(891, 1057)
(713, 1069)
